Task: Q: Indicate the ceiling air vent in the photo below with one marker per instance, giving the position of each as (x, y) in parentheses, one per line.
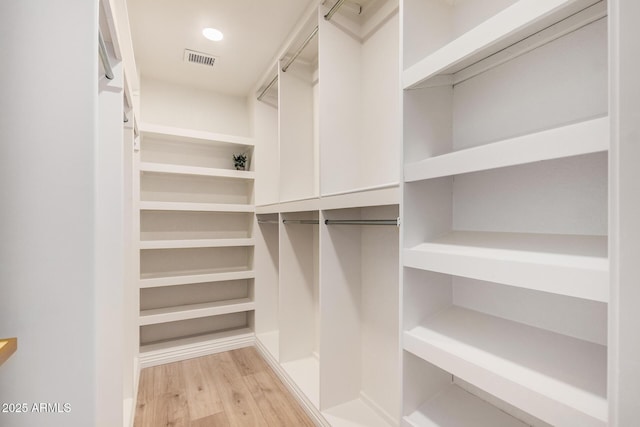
(200, 58)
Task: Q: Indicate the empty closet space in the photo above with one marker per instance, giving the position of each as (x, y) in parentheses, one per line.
(506, 278)
(267, 267)
(298, 301)
(360, 377)
(298, 87)
(359, 100)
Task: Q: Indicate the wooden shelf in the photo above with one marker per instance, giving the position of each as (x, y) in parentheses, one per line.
(195, 243)
(504, 29)
(194, 311)
(195, 170)
(590, 136)
(354, 413)
(8, 346)
(202, 276)
(559, 379)
(562, 264)
(199, 207)
(190, 135)
(455, 407)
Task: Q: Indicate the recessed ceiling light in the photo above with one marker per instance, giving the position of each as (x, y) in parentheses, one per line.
(213, 34)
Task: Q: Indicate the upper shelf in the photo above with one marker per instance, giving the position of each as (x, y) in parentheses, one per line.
(559, 379)
(586, 137)
(196, 207)
(503, 30)
(562, 264)
(195, 170)
(190, 135)
(381, 195)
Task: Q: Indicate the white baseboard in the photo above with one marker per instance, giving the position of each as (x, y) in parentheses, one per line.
(198, 349)
(310, 409)
(393, 421)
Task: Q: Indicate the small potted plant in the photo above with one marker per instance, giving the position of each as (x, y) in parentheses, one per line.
(239, 161)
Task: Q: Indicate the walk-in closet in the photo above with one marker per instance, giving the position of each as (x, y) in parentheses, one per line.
(345, 213)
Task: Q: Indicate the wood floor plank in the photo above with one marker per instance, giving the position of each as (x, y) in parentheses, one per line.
(239, 406)
(231, 389)
(277, 407)
(170, 410)
(248, 361)
(203, 399)
(217, 420)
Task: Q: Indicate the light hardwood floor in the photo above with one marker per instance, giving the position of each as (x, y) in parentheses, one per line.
(235, 388)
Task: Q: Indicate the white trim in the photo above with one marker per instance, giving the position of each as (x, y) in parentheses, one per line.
(177, 352)
(309, 408)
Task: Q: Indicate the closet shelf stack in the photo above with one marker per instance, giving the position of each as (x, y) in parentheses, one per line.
(196, 243)
(506, 271)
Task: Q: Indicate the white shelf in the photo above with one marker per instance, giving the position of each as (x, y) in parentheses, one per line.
(513, 24)
(195, 243)
(204, 340)
(388, 194)
(272, 208)
(190, 135)
(559, 379)
(590, 136)
(354, 414)
(194, 311)
(305, 373)
(154, 280)
(455, 407)
(563, 264)
(196, 207)
(301, 205)
(195, 170)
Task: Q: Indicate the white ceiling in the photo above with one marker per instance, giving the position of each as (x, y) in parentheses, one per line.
(253, 30)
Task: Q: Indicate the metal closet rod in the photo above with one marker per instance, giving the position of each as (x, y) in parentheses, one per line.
(304, 44)
(333, 10)
(102, 50)
(268, 221)
(395, 222)
(300, 49)
(301, 221)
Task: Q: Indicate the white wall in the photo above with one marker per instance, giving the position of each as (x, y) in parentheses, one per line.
(175, 105)
(48, 131)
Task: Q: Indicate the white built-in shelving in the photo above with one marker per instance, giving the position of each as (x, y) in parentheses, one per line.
(539, 371)
(196, 243)
(505, 207)
(327, 295)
